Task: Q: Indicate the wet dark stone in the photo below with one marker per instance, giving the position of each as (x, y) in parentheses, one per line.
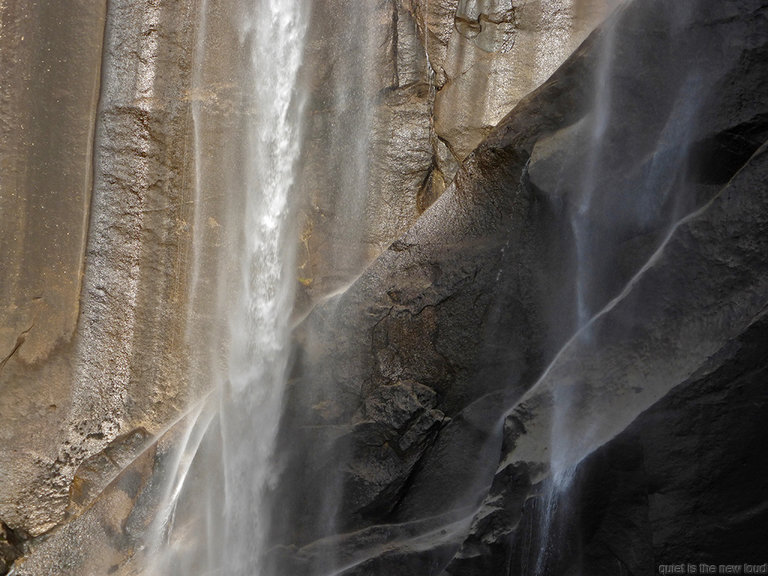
(478, 297)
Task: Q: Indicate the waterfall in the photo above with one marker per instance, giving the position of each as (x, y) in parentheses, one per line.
(259, 322)
(223, 470)
(553, 511)
(581, 218)
(651, 203)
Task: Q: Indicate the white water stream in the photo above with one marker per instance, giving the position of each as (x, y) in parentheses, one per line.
(223, 469)
(260, 319)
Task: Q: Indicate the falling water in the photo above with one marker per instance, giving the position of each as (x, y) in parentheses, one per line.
(654, 204)
(259, 322)
(554, 516)
(237, 425)
(196, 110)
(553, 512)
(581, 217)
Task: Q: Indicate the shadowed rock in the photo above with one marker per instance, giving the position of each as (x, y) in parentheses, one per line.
(477, 298)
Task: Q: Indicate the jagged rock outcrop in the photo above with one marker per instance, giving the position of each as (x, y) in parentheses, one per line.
(477, 298)
(398, 99)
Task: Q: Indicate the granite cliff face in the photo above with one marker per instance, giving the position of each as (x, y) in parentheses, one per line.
(470, 325)
(398, 99)
(101, 353)
(449, 409)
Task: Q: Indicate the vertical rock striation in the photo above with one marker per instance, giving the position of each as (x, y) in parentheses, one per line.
(50, 58)
(98, 198)
(400, 97)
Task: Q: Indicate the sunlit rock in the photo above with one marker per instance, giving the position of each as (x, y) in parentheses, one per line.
(528, 331)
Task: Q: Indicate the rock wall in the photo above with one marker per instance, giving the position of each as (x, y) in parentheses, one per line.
(99, 199)
(438, 394)
(401, 95)
(51, 62)
(441, 216)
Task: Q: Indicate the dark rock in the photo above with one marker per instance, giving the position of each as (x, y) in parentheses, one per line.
(684, 483)
(11, 546)
(476, 300)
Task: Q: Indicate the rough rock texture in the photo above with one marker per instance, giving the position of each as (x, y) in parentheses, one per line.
(685, 482)
(49, 89)
(417, 438)
(106, 519)
(99, 206)
(398, 99)
(11, 547)
(625, 361)
(486, 55)
(477, 298)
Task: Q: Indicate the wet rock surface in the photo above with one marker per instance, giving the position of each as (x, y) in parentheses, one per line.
(478, 297)
(684, 483)
(50, 59)
(494, 54)
(413, 440)
(407, 85)
(622, 364)
(51, 64)
(108, 353)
